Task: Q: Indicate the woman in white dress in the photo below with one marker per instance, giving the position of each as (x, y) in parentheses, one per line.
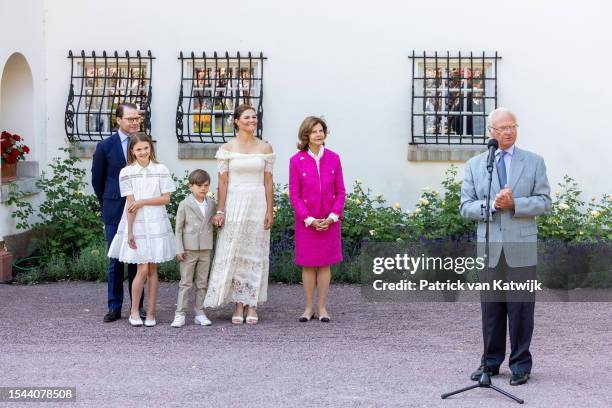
(144, 235)
(239, 273)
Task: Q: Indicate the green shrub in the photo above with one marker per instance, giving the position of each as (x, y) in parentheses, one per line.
(572, 220)
(68, 220)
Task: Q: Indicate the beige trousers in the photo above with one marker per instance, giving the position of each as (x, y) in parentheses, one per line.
(194, 269)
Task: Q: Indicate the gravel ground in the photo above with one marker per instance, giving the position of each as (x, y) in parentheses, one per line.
(370, 355)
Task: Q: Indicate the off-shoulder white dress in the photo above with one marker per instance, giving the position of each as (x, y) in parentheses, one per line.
(240, 267)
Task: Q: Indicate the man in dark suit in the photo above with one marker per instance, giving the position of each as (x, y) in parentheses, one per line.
(521, 191)
(108, 160)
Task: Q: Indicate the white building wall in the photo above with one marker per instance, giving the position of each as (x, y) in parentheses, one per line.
(22, 32)
(348, 61)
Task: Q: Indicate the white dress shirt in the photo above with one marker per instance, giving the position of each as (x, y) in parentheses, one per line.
(125, 141)
(203, 206)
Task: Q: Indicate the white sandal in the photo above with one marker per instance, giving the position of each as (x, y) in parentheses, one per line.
(252, 319)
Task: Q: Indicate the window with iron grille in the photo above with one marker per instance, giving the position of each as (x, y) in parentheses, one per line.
(98, 84)
(212, 86)
(452, 96)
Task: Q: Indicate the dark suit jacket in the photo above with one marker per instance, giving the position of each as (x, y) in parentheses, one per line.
(108, 160)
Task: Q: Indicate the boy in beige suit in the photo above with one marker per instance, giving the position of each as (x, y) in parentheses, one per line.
(194, 237)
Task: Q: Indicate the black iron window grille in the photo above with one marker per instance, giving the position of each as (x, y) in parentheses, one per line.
(452, 96)
(211, 88)
(98, 84)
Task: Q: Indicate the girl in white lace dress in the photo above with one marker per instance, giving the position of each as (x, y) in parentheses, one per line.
(239, 272)
(144, 235)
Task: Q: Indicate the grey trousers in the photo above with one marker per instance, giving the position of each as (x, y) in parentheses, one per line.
(194, 269)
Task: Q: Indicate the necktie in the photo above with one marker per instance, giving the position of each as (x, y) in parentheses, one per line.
(124, 147)
(501, 170)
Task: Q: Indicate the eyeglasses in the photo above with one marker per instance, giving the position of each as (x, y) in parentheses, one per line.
(505, 128)
(136, 119)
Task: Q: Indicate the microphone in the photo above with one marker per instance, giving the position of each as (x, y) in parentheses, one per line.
(492, 147)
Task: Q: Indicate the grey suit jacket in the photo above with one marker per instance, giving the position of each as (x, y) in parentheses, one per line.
(194, 231)
(514, 230)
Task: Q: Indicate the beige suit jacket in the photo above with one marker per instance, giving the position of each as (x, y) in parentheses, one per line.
(194, 231)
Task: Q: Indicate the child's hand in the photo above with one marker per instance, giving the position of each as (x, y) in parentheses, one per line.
(180, 257)
(134, 206)
(131, 241)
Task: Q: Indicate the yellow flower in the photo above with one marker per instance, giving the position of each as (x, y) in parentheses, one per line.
(80, 192)
(397, 206)
(609, 198)
(274, 209)
(210, 194)
(418, 210)
(95, 252)
(378, 195)
(423, 201)
(358, 181)
(563, 206)
(434, 193)
(593, 199)
(595, 213)
(357, 201)
(286, 193)
(557, 192)
(372, 232)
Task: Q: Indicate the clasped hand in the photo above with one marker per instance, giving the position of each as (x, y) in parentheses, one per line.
(504, 199)
(321, 224)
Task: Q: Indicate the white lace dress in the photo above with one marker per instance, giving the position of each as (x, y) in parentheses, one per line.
(152, 230)
(240, 267)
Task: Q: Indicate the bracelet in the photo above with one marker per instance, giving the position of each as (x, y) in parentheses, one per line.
(220, 212)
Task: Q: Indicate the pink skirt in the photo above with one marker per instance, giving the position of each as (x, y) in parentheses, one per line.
(317, 248)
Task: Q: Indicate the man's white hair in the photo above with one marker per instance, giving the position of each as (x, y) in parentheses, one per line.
(495, 112)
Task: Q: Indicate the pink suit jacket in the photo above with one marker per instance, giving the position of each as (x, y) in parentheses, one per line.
(309, 192)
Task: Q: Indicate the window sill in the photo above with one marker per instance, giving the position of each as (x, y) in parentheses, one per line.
(197, 150)
(27, 176)
(82, 150)
(443, 153)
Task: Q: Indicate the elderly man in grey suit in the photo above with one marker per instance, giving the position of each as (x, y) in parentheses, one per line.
(519, 192)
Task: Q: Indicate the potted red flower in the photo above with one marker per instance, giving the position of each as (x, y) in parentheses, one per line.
(12, 150)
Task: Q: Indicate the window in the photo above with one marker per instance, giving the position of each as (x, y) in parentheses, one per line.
(98, 85)
(211, 88)
(451, 97)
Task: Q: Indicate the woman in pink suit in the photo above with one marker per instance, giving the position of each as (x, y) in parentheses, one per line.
(316, 191)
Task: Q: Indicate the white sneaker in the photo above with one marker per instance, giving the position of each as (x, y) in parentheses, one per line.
(202, 320)
(179, 321)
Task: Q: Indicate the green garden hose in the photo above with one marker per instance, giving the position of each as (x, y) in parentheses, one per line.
(21, 268)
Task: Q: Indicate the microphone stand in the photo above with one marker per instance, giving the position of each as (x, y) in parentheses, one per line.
(485, 379)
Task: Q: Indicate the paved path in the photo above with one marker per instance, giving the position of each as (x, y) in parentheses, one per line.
(371, 355)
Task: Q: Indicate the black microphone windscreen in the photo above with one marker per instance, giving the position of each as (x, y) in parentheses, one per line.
(493, 143)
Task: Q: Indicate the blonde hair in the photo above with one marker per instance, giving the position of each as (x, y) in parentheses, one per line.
(140, 137)
(306, 129)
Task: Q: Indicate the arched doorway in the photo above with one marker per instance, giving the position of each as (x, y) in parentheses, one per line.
(17, 100)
